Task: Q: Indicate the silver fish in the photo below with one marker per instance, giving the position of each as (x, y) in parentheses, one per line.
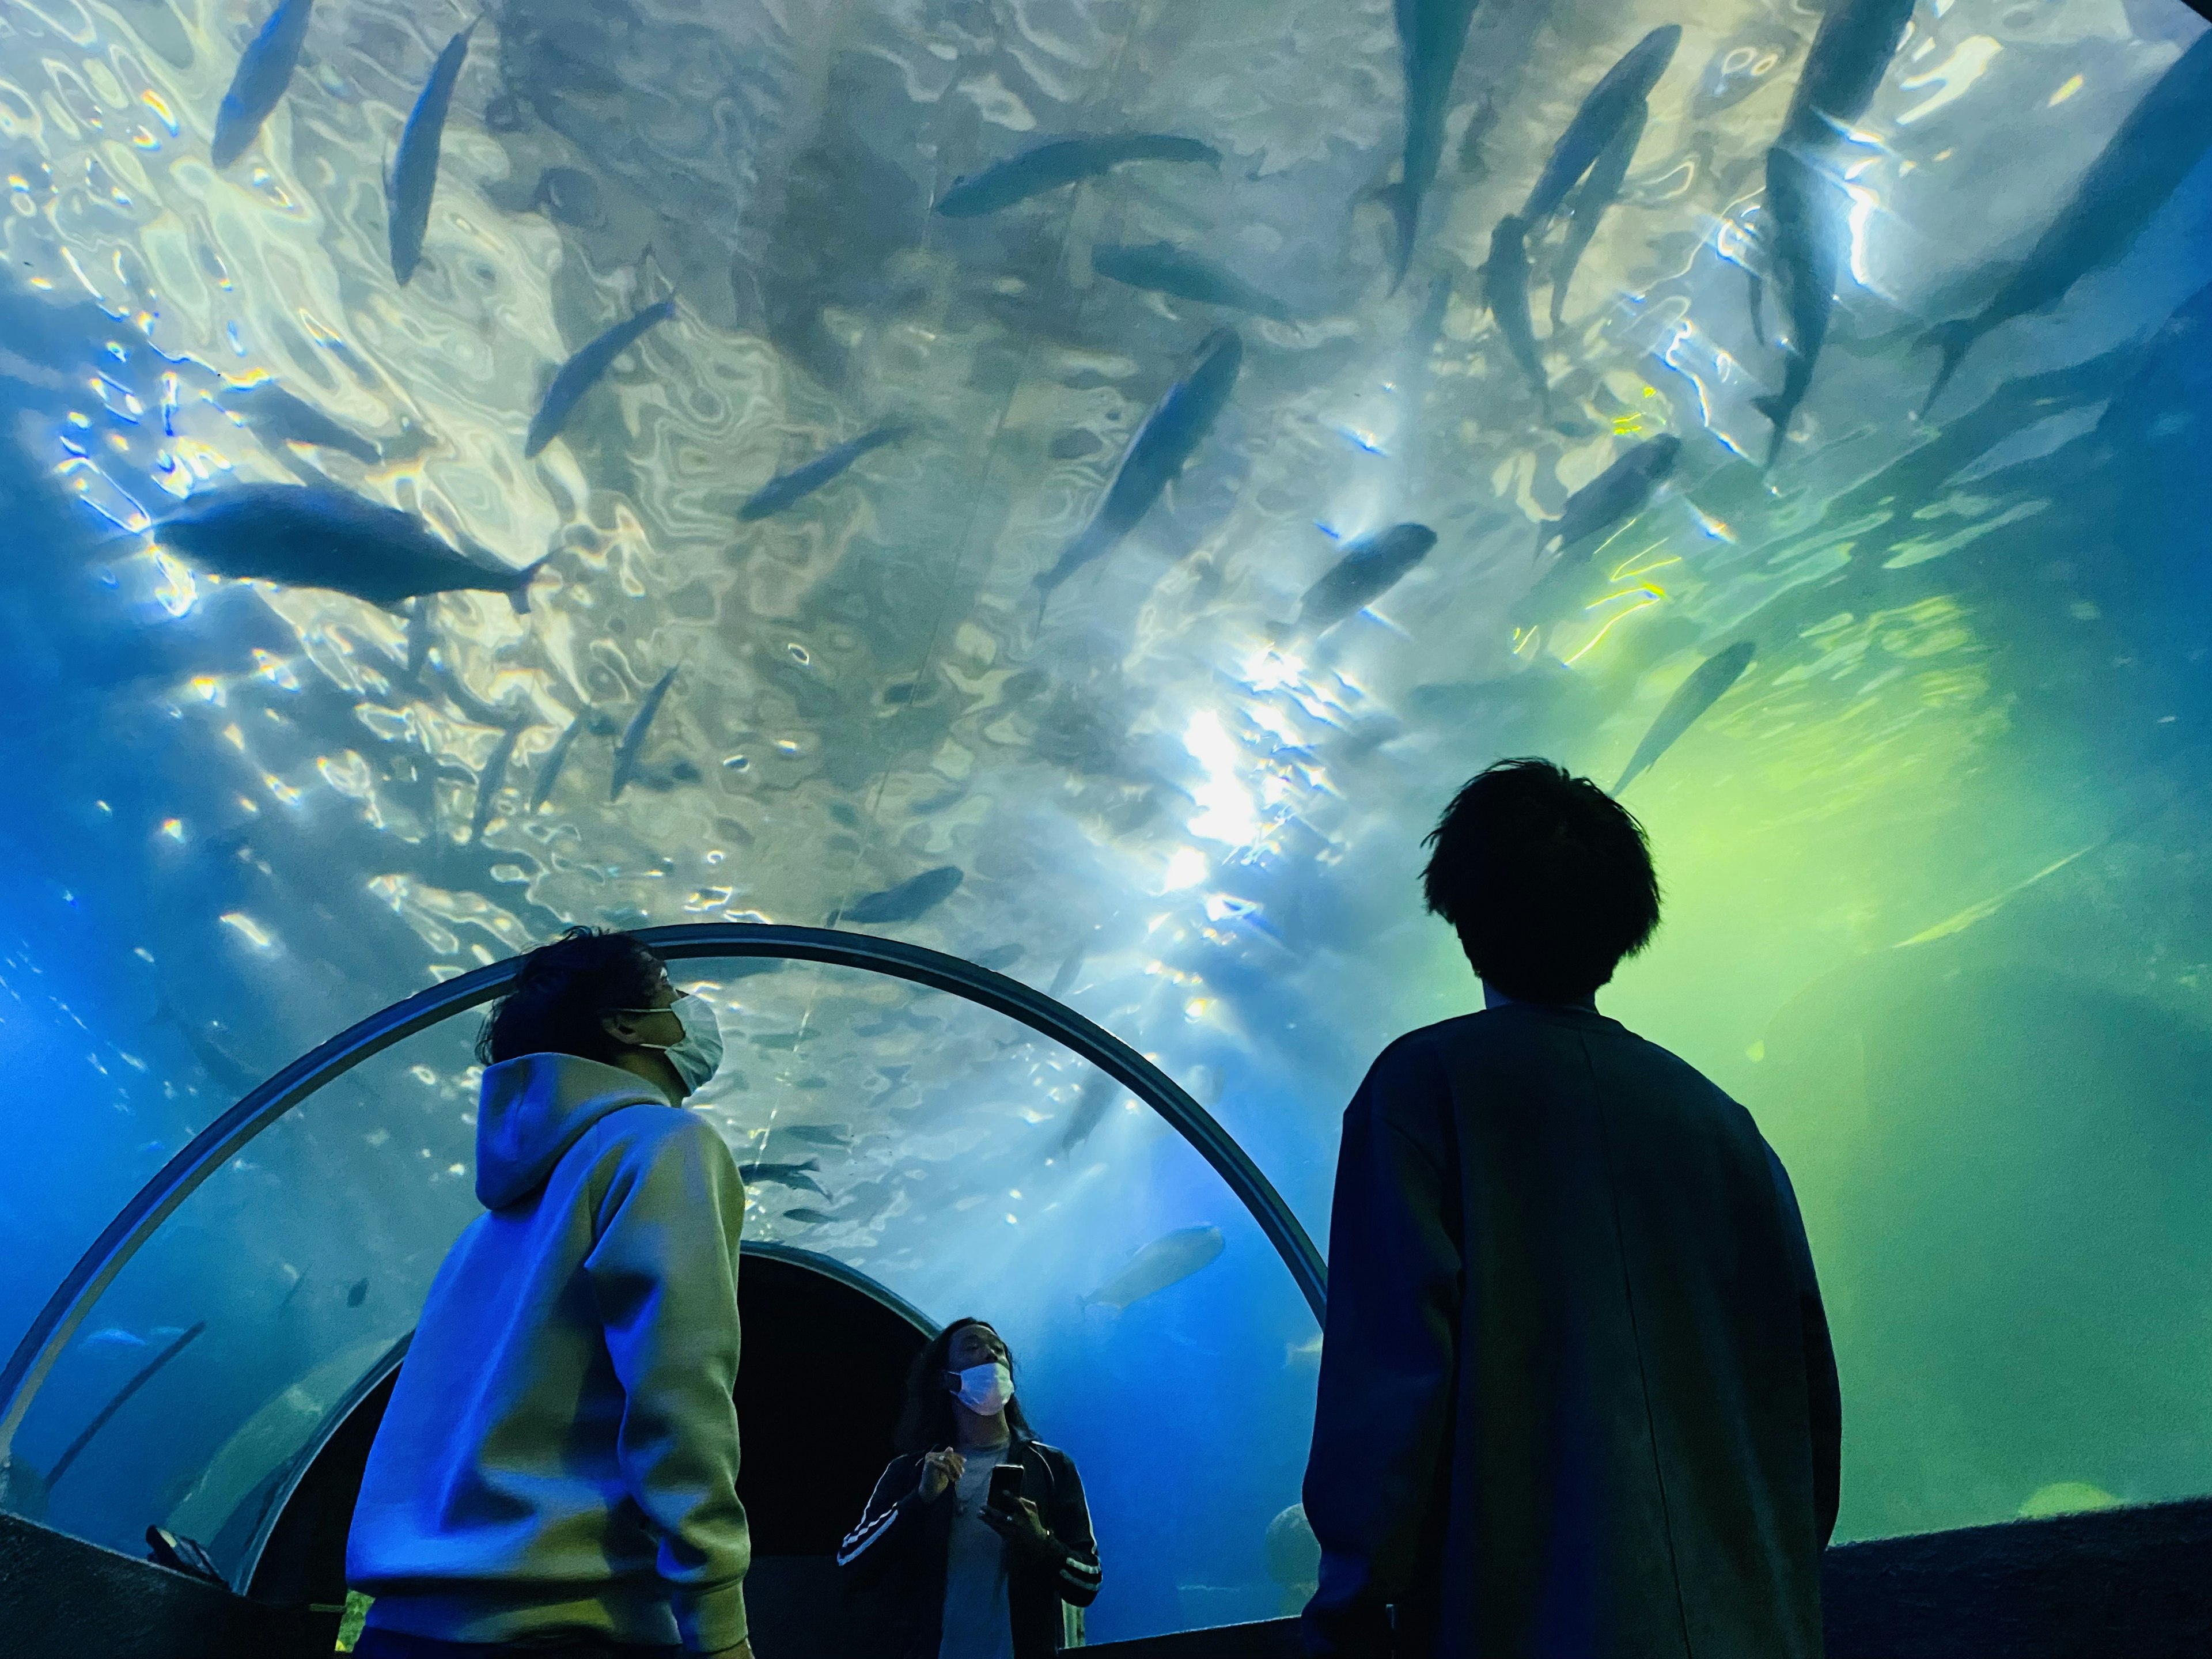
(786, 488)
(785, 1175)
(2160, 142)
(911, 899)
(583, 372)
(1432, 34)
(1371, 567)
(1505, 290)
(1614, 497)
(550, 772)
(1166, 269)
(633, 737)
(1600, 186)
(1707, 684)
(1063, 162)
(415, 171)
(1618, 94)
(1164, 1261)
(489, 779)
(257, 87)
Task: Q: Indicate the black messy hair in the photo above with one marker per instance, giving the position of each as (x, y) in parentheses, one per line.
(562, 993)
(927, 1422)
(1546, 877)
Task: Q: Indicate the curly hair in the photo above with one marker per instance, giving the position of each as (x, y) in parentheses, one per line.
(562, 991)
(1546, 877)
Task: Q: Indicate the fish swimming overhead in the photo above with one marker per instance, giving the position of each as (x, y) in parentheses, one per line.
(549, 773)
(1619, 93)
(1597, 193)
(419, 637)
(1099, 1093)
(1063, 162)
(1432, 34)
(912, 898)
(489, 779)
(583, 372)
(633, 737)
(1164, 1261)
(796, 1175)
(1706, 686)
(415, 171)
(786, 488)
(1843, 67)
(313, 535)
(258, 85)
(276, 416)
(1810, 212)
(1170, 435)
(1166, 269)
(1614, 497)
(2161, 140)
(1505, 290)
(1368, 568)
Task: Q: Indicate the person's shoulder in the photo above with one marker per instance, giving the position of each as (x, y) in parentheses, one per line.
(1670, 1070)
(1052, 1454)
(1418, 1050)
(652, 1132)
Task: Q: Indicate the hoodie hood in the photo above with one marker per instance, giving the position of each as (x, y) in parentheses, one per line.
(533, 1107)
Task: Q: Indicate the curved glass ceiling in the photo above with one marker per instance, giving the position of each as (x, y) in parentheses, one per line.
(1933, 853)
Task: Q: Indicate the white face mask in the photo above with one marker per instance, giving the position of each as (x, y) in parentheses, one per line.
(985, 1390)
(699, 1053)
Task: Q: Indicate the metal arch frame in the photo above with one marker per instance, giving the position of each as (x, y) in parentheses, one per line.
(41, 1344)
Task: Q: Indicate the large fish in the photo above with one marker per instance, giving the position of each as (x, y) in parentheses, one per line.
(313, 535)
(912, 898)
(1808, 213)
(489, 779)
(415, 173)
(1505, 290)
(581, 373)
(798, 1175)
(1368, 568)
(1611, 498)
(1100, 1091)
(276, 416)
(786, 488)
(1805, 200)
(1432, 34)
(556, 757)
(1175, 429)
(1591, 197)
(1166, 269)
(633, 737)
(1164, 1261)
(1063, 162)
(1618, 94)
(263, 74)
(1844, 69)
(2161, 140)
(221, 1068)
(1705, 688)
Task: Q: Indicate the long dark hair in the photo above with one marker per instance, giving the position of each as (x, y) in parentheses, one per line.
(927, 1422)
(562, 991)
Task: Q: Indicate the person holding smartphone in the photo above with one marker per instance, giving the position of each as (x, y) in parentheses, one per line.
(978, 1530)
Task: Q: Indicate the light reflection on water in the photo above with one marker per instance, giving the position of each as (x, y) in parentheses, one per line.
(1151, 791)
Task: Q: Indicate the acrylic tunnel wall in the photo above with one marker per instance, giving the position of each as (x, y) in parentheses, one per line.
(929, 561)
(1158, 1321)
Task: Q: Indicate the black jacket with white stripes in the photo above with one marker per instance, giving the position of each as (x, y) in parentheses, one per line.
(900, 1544)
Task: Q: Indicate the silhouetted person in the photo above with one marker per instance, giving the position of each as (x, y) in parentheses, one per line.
(556, 1474)
(1576, 1394)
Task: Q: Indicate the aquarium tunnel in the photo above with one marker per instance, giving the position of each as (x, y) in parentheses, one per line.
(992, 529)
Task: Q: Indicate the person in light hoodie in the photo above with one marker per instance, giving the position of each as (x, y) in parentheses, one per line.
(556, 1474)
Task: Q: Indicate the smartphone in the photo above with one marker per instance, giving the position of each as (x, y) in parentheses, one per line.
(1006, 1488)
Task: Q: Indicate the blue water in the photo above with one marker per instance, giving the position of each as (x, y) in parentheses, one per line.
(1936, 906)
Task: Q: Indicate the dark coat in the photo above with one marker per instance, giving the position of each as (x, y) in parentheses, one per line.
(1577, 1392)
(900, 1544)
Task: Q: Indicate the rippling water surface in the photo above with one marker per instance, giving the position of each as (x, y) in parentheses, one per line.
(1934, 863)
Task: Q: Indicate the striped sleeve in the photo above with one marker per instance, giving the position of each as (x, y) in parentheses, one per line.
(1079, 1574)
(869, 1549)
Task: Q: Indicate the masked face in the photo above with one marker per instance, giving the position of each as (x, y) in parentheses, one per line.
(698, 1053)
(983, 1390)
